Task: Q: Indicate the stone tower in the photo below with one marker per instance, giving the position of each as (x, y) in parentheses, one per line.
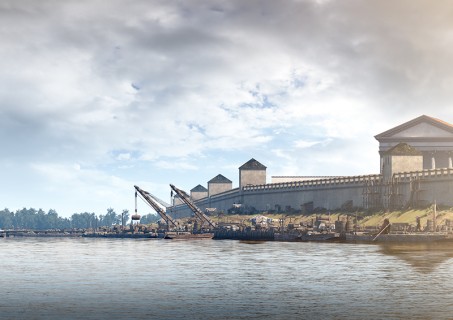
(252, 173)
(199, 192)
(218, 185)
(400, 158)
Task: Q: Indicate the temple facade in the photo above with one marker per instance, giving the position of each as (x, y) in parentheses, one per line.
(430, 136)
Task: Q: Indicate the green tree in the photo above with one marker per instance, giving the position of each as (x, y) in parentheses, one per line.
(77, 221)
(52, 220)
(149, 218)
(41, 222)
(110, 218)
(25, 219)
(6, 219)
(84, 220)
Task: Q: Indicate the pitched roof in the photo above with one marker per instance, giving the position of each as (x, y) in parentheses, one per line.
(422, 119)
(403, 149)
(199, 188)
(252, 164)
(220, 179)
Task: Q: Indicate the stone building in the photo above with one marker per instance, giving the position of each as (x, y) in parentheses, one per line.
(415, 170)
(176, 200)
(400, 158)
(219, 184)
(199, 192)
(252, 173)
(431, 136)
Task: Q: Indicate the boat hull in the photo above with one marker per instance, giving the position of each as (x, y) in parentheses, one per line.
(399, 238)
(189, 236)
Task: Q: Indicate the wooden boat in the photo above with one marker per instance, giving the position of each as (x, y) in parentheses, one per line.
(307, 236)
(188, 236)
(113, 235)
(399, 237)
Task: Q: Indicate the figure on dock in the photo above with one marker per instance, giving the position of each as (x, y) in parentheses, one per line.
(418, 227)
(385, 228)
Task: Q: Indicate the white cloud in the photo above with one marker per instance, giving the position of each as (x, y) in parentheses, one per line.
(76, 189)
(301, 144)
(124, 156)
(161, 85)
(176, 165)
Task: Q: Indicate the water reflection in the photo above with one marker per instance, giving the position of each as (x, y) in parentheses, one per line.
(422, 257)
(157, 279)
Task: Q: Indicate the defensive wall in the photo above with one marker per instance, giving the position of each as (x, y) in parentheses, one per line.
(416, 170)
(407, 189)
(419, 189)
(301, 196)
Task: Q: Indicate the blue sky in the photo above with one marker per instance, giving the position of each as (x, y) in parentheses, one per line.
(97, 96)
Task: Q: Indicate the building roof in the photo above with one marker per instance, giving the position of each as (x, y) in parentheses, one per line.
(252, 164)
(220, 179)
(422, 119)
(403, 149)
(199, 188)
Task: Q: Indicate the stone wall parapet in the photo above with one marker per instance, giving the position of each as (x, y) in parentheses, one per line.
(428, 173)
(315, 183)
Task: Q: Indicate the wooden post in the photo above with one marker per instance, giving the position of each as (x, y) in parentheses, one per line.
(381, 231)
(434, 217)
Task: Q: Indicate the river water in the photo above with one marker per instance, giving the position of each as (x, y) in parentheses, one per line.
(79, 278)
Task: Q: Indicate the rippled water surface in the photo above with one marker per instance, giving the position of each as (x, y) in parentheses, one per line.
(80, 278)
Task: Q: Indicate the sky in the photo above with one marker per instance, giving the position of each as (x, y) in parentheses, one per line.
(98, 96)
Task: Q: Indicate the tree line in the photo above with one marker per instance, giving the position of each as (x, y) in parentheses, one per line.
(41, 220)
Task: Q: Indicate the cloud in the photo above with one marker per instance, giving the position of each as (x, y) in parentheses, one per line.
(301, 144)
(132, 90)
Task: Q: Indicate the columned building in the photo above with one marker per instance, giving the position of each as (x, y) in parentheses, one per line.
(431, 136)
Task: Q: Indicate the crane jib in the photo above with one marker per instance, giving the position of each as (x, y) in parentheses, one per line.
(198, 213)
(146, 196)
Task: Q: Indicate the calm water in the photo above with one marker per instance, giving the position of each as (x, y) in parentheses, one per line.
(204, 279)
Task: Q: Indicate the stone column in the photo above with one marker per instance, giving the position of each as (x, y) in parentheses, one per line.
(433, 162)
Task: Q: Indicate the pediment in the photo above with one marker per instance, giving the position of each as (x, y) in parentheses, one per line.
(421, 127)
(425, 130)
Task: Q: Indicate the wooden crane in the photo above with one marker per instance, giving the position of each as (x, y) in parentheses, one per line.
(197, 211)
(149, 198)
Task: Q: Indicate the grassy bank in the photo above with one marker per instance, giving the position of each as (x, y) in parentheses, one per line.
(365, 219)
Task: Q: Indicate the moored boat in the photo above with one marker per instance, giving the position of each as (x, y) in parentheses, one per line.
(307, 236)
(114, 235)
(399, 237)
(188, 236)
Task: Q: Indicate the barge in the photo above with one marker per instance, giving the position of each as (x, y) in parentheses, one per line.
(399, 238)
(308, 236)
(188, 236)
(114, 235)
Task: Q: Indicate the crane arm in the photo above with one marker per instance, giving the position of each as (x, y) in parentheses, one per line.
(147, 197)
(198, 213)
(161, 202)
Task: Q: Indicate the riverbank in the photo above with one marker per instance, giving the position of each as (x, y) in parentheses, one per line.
(364, 219)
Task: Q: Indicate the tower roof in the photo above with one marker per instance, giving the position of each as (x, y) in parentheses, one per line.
(403, 149)
(199, 188)
(220, 179)
(252, 164)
